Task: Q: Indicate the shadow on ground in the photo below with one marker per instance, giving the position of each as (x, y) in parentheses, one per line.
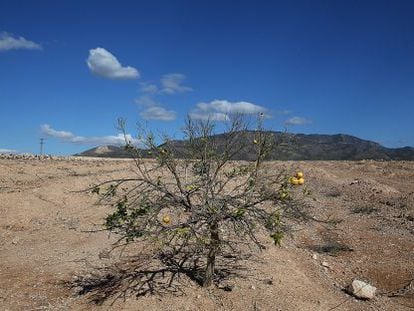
(166, 273)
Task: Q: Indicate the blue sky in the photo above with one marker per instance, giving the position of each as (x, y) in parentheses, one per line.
(69, 69)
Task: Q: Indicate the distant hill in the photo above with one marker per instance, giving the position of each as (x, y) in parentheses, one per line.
(288, 147)
(109, 152)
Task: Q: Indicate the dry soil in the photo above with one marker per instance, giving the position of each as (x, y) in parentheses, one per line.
(45, 246)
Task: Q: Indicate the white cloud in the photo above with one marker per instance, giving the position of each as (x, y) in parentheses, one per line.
(158, 113)
(146, 101)
(153, 110)
(69, 137)
(8, 151)
(212, 116)
(219, 110)
(282, 112)
(172, 83)
(148, 88)
(8, 42)
(296, 121)
(104, 64)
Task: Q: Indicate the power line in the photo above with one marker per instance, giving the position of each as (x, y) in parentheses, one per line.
(42, 143)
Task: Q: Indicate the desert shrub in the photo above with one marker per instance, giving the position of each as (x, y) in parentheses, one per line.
(197, 201)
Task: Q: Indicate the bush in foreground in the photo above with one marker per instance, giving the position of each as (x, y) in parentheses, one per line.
(203, 207)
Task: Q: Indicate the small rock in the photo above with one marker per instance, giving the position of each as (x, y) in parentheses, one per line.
(78, 290)
(228, 287)
(314, 256)
(268, 281)
(362, 290)
(253, 287)
(325, 264)
(104, 254)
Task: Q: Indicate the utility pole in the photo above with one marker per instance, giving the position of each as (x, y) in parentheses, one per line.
(42, 142)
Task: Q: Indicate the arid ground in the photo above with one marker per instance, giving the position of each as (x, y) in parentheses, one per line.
(46, 246)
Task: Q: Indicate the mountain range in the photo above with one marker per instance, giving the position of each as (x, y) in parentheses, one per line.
(287, 147)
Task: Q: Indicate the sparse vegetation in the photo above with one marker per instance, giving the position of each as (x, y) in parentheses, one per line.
(204, 205)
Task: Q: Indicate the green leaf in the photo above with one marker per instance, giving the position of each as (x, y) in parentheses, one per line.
(277, 238)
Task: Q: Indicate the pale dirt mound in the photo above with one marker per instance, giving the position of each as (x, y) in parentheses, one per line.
(45, 247)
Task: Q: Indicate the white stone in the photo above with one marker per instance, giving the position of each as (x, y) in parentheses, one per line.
(325, 264)
(362, 290)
